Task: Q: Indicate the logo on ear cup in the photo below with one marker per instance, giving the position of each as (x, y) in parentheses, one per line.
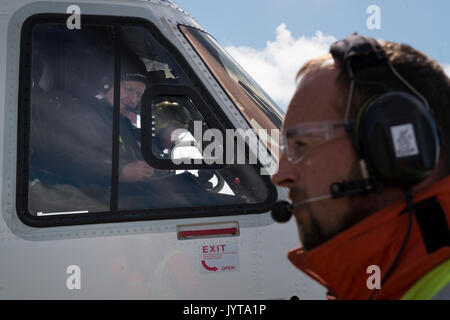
(404, 140)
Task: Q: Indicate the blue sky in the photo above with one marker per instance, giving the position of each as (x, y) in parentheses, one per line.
(248, 28)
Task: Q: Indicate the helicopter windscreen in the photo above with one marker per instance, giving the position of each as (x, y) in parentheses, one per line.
(245, 92)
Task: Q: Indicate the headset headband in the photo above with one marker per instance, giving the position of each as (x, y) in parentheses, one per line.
(358, 52)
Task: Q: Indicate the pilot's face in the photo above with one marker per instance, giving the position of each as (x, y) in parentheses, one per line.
(318, 99)
(130, 94)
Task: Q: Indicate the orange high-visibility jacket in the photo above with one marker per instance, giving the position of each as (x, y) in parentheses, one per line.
(342, 264)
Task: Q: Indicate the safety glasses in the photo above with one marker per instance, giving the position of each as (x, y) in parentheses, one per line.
(298, 141)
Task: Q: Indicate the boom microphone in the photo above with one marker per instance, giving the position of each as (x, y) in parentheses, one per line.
(282, 210)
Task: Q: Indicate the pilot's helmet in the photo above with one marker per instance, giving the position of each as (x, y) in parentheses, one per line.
(132, 69)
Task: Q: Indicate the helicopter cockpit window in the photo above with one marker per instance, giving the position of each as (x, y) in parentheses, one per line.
(89, 93)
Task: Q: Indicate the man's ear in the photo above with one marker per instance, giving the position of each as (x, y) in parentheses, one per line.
(105, 84)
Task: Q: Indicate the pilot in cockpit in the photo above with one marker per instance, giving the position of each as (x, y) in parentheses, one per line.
(73, 155)
(74, 146)
(132, 86)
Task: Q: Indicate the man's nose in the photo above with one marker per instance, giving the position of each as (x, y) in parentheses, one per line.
(133, 99)
(130, 98)
(130, 102)
(287, 175)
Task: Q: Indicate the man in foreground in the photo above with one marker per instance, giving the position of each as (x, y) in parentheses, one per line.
(366, 164)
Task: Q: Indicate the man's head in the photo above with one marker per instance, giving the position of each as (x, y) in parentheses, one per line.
(132, 84)
(130, 95)
(321, 97)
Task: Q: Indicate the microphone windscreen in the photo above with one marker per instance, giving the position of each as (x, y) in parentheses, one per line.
(281, 211)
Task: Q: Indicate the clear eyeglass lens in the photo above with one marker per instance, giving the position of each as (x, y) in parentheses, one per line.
(299, 141)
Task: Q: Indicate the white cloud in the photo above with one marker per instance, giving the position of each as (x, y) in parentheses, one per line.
(275, 66)
(446, 69)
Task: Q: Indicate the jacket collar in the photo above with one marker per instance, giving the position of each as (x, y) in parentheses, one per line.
(341, 263)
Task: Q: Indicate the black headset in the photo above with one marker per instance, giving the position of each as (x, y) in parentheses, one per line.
(105, 84)
(395, 132)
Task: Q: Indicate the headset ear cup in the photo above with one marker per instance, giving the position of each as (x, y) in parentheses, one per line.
(398, 138)
(105, 84)
(362, 109)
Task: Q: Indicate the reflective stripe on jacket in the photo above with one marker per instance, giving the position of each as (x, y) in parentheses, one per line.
(434, 285)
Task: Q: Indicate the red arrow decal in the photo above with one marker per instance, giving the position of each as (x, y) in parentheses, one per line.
(207, 267)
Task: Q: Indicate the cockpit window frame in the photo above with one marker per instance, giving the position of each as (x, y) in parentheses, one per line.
(114, 215)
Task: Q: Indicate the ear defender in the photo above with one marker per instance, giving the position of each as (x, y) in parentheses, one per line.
(105, 84)
(398, 137)
(395, 132)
